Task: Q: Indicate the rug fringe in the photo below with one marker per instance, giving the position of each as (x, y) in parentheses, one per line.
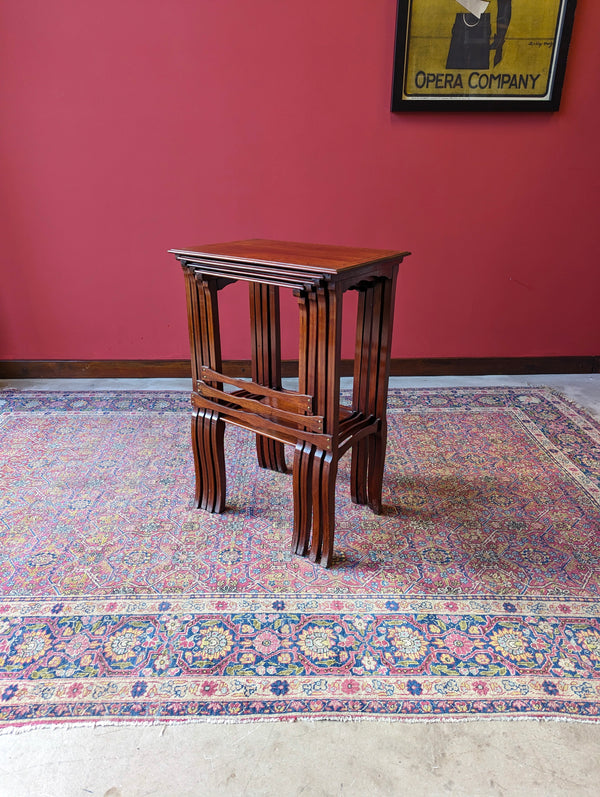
(131, 724)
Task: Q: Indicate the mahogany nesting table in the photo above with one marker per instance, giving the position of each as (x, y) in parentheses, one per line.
(311, 419)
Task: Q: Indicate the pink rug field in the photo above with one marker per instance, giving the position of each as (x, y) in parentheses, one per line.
(475, 594)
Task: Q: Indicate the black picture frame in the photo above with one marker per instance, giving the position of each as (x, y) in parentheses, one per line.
(440, 55)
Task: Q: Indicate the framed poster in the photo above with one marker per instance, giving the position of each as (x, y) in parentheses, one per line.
(481, 54)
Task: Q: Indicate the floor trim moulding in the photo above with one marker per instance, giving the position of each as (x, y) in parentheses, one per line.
(139, 369)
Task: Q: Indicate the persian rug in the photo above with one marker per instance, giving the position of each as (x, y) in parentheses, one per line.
(475, 594)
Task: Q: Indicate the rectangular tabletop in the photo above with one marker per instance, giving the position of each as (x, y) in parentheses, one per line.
(296, 256)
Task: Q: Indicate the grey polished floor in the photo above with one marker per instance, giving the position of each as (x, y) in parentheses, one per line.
(305, 758)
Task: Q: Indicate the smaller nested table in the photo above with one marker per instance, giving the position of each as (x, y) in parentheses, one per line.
(311, 418)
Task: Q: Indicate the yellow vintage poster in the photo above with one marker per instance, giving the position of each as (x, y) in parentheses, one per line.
(480, 49)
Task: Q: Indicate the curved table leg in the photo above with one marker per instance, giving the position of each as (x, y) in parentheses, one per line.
(371, 372)
(324, 478)
(358, 473)
(377, 445)
(270, 454)
(208, 431)
(303, 502)
(315, 473)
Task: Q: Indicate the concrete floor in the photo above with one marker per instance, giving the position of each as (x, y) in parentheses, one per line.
(473, 759)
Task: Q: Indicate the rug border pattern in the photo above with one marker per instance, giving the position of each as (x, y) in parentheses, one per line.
(217, 697)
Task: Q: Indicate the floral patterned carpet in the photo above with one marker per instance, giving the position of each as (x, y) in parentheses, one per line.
(475, 593)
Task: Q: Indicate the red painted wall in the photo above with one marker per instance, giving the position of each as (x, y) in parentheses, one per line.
(131, 126)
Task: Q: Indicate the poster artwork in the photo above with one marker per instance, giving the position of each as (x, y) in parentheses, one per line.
(481, 49)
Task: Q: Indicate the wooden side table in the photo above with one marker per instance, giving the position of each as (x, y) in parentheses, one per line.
(311, 419)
